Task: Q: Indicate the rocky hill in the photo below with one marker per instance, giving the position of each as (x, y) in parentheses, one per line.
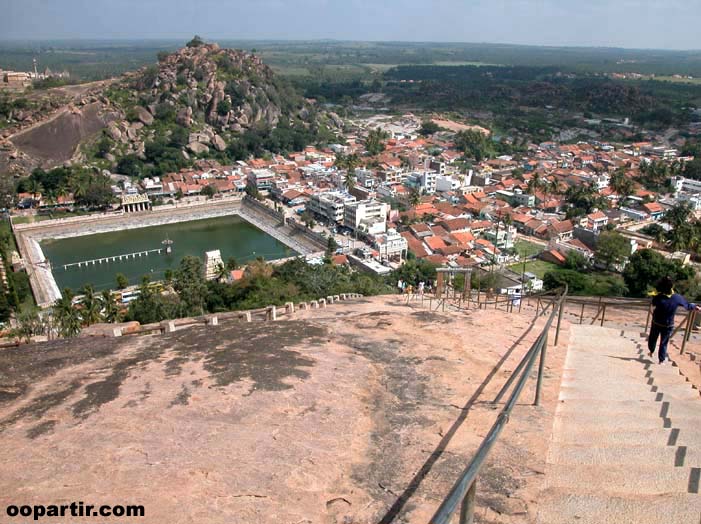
(201, 101)
(216, 95)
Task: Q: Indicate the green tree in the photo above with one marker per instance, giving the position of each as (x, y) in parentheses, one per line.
(67, 316)
(122, 281)
(331, 246)
(612, 248)
(646, 267)
(195, 42)
(576, 261)
(576, 281)
(209, 190)
(190, 285)
(29, 323)
(91, 306)
(111, 311)
(413, 272)
(474, 144)
(414, 197)
(349, 180)
(692, 169)
(308, 219)
(231, 264)
(375, 141)
(428, 127)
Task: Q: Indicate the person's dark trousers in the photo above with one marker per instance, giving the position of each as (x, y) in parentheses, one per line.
(663, 333)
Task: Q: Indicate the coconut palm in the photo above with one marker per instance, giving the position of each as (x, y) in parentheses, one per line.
(349, 180)
(111, 311)
(91, 306)
(221, 272)
(66, 315)
(415, 197)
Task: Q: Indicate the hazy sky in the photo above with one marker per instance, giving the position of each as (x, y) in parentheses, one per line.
(665, 24)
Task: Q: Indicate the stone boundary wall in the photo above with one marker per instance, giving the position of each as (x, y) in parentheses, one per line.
(43, 284)
(107, 222)
(266, 314)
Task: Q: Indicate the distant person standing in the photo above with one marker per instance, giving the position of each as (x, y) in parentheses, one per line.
(666, 302)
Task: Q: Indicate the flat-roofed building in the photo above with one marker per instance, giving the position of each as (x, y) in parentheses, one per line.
(368, 216)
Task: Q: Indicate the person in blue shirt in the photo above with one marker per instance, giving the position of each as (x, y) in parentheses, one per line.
(666, 302)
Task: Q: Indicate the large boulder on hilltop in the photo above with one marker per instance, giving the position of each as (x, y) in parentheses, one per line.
(198, 148)
(184, 117)
(218, 143)
(144, 116)
(113, 132)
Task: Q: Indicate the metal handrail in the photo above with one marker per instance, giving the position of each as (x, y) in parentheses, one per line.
(463, 492)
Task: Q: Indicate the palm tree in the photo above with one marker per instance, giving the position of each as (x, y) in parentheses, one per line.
(349, 180)
(352, 161)
(221, 272)
(92, 306)
(111, 311)
(35, 187)
(66, 314)
(341, 161)
(415, 197)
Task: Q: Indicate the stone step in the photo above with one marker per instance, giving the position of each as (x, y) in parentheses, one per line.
(561, 506)
(661, 381)
(645, 409)
(656, 436)
(628, 392)
(623, 422)
(638, 453)
(622, 480)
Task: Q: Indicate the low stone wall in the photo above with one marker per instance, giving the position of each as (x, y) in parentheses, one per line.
(107, 222)
(266, 314)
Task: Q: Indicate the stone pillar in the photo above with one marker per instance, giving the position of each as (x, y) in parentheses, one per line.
(213, 321)
(303, 305)
(322, 302)
(289, 308)
(117, 332)
(336, 298)
(247, 316)
(315, 304)
(170, 326)
(439, 284)
(344, 296)
(329, 299)
(272, 313)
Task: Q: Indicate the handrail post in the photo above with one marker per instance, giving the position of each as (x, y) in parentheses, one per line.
(467, 508)
(687, 330)
(581, 315)
(647, 320)
(562, 306)
(603, 314)
(541, 368)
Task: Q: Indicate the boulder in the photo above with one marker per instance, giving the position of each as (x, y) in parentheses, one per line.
(113, 132)
(184, 117)
(198, 148)
(218, 143)
(144, 116)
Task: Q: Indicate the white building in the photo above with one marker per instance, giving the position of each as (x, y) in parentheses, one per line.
(212, 264)
(330, 206)
(261, 178)
(424, 180)
(368, 216)
(391, 245)
(447, 183)
(680, 183)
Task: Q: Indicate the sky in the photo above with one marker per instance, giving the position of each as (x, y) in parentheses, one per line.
(647, 24)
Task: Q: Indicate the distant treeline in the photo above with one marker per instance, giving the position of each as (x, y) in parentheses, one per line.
(502, 88)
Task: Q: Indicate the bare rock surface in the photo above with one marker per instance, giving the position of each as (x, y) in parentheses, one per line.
(362, 412)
